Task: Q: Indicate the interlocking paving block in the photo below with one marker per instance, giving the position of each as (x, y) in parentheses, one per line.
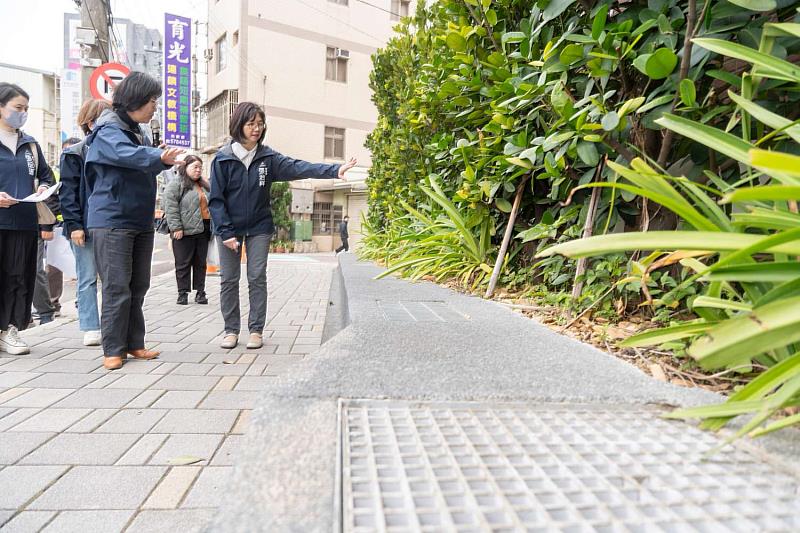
(94, 521)
(82, 449)
(15, 445)
(207, 491)
(21, 483)
(434, 466)
(28, 521)
(52, 420)
(187, 445)
(418, 311)
(101, 488)
(183, 520)
(197, 421)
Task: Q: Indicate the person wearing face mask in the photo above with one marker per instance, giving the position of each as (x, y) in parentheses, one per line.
(241, 176)
(121, 169)
(186, 208)
(23, 171)
(74, 195)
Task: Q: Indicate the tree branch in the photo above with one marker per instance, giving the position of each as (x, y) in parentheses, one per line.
(485, 23)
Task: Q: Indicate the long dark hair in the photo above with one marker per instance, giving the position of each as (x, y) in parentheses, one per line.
(187, 182)
(244, 113)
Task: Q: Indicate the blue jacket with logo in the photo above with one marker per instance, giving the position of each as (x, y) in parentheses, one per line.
(120, 172)
(74, 192)
(240, 197)
(17, 174)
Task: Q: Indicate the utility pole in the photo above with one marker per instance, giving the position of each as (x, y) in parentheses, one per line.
(94, 16)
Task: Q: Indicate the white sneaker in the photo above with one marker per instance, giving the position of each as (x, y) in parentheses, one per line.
(12, 343)
(92, 338)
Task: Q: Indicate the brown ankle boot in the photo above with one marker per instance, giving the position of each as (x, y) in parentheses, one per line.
(112, 362)
(144, 353)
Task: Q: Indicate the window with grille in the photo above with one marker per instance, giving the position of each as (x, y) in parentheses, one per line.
(399, 9)
(222, 52)
(334, 143)
(321, 218)
(336, 64)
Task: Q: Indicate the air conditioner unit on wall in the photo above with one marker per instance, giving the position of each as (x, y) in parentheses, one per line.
(343, 54)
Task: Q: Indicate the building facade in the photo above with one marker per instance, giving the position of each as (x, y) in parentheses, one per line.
(134, 45)
(308, 63)
(43, 117)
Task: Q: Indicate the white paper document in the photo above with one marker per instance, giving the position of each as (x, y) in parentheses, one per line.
(41, 197)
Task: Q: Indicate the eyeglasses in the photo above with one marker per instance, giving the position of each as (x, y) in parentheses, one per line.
(255, 126)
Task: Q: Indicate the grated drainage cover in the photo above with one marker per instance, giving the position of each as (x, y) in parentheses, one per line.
(462, 467)
(418, 311)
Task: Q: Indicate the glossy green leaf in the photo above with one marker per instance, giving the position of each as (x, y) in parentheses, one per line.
(777, 272)
(755, 5)
(456, 41)
(668, 334)
(610, 121)
(772, 66)
(688, 92)
(503, 205)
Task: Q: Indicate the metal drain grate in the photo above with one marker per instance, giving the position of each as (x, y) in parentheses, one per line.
(418, 311)
(508, 468)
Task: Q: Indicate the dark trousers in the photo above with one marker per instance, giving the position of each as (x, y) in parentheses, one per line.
(42, 301)
(344, 246)
(17, 277)
(123, 259)
(190, 260)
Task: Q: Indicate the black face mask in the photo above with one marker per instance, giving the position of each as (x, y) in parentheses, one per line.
(126, 118)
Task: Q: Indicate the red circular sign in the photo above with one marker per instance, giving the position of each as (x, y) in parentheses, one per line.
(105, 77)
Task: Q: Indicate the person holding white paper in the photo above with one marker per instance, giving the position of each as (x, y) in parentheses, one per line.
(22, 167)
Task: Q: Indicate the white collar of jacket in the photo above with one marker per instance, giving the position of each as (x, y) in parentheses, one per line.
(246, 156)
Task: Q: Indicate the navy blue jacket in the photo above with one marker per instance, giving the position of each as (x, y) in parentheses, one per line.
(121, 169)
(74, 192)
(17, 172)
(240, 197)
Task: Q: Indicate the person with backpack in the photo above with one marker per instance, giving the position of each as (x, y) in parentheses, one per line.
(121, 169)
(189, 220)
(74, 195)
(241, 177)
(23, 171)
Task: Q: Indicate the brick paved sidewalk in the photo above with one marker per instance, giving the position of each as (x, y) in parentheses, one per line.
(84, 449)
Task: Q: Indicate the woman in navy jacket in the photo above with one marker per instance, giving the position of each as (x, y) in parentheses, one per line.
(121, 170)
(241, 175)
(23, 170)
(74, 195)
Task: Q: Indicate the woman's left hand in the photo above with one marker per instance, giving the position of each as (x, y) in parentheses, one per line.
(177, 235)
(347, 166)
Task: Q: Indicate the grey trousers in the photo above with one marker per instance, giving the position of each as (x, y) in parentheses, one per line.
(123, 259)
(230, 272)
(41, 292)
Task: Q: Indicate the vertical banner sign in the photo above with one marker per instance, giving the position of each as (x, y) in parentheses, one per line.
(177, 81)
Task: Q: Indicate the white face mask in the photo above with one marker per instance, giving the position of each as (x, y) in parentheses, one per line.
(15, 119)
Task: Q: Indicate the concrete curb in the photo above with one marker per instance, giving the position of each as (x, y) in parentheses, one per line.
(286, 477)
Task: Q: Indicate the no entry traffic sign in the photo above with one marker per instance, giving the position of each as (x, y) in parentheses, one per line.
(105, 77)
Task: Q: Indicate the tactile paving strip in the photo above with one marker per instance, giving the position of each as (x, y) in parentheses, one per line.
(506, 468)
(418, 311)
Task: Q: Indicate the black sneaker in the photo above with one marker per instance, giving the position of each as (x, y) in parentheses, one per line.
(183, 298)
(200, 298)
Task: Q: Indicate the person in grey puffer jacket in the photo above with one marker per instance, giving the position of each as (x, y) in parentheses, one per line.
(189, 220)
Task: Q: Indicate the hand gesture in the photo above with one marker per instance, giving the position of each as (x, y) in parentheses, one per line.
(6, 200)
(232, 244)
(177, 234)
(347, 166)
(78, 238)
(170, 156)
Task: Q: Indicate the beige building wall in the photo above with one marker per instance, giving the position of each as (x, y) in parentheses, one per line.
(277, 58)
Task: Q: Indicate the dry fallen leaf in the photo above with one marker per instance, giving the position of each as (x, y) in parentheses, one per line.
(185, 460)
(657, 372)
